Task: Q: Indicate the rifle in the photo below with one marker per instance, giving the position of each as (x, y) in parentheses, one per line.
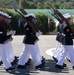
(22, 12)
(59, 16)
(55, 16)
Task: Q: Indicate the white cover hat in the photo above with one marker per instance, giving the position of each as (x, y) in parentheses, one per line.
(67, 15)
(6, 15)
(28, 15)
(1, 13)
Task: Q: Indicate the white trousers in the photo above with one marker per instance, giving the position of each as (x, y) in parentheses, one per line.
(58, 50)
(9, 51)
(35, 53)
(67, 49)
(0, 59)
(4, 56)
(67, 57)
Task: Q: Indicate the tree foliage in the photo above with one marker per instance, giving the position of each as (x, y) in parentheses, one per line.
(43, 23)
(39, 4)
(9, 3)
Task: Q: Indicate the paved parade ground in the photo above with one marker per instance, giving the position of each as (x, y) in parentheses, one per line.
(46, 42)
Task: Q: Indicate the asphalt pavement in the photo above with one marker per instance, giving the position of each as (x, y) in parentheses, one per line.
(46, 42)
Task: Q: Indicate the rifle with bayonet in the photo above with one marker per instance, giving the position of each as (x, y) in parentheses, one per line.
(60, 17)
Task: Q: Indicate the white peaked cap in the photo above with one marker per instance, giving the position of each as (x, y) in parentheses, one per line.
(6, 15)
(67, 15)
(1, 13)
(28, 15)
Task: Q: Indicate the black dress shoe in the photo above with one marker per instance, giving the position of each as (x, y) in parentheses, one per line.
(64, 65)
(43, 61)
(10, 69)
(55, 58)
(68, 59)
(40, 66)
(73, 67)
(28, 62)
(1, 62)
(59, 66)
(21, 67)
(13, 63)
(16, 59)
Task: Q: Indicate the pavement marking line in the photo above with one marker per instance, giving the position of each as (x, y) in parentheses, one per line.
(50, 51)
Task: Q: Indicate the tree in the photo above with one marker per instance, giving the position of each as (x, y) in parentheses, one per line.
(43, 23)
(27, 4)
(32, 5)
(23, 4)
(46, 5)
(39, 5)
(67, 5)
(56, 5)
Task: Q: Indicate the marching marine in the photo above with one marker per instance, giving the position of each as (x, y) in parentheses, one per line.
(31, 47)
(67, 43)
(7, 54)
(3, 38)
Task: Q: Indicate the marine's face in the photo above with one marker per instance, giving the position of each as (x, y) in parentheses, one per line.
(7, 20)
(34, 20)
(1, 17)
(69, 19)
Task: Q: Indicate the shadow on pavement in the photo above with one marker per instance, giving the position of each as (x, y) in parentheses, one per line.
(49, 67)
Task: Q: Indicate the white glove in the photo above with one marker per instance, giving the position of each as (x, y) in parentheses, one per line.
(1, 32)
(38, 33)
(14, 32)
(10, 32)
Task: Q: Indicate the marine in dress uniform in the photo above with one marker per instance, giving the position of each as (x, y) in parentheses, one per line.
(31, 46)
(67, 43)
(8, 45)
(58, 48)
(3, 39)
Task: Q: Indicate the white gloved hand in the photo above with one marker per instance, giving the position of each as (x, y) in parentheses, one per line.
(11, 32)
(14, 32)
(38, 33)
(1, 32)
